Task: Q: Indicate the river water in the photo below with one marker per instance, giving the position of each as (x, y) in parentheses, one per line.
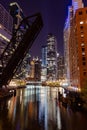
(38, 108)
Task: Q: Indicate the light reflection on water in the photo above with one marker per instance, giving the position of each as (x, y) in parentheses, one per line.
(31, 108)
(37, 108)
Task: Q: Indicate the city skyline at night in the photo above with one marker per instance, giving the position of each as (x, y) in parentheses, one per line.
(54, 15)
(43, 65)
(53, 21)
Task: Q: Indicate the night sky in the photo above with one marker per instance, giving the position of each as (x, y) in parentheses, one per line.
(54, 13)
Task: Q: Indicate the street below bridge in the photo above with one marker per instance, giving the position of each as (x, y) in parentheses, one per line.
(38, 108)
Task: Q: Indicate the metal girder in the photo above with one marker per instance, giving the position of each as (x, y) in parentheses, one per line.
(17, 48)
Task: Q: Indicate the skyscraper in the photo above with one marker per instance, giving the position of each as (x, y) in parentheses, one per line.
(6, 23)
(78, 47)
(51, 57)
(35, 70)
(44, 64)
(17, 14)
(37, 74)
(77, 4)
(44, 55)
(67, 28)
(60, 63)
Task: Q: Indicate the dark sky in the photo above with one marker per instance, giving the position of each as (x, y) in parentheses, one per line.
(54, 13)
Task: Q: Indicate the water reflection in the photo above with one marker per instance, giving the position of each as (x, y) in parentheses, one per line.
(37, 108)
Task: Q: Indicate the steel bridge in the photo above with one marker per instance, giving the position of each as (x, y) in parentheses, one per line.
(17, 48)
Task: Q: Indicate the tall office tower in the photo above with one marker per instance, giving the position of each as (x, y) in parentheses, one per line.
(51, 57)
(6, 23)
(31, 70)
(78, 49)
(17, 14)
(44, 64)
(77, 4)
(60, 64)
(67, 28)
(37, 71)
(44, 55)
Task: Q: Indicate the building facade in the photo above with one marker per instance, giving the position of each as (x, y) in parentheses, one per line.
(6, 23)
(35, 70)
(77, 49)
(44, 64)
(77, 4)
(51, 57)
(60, 70)
(76, 56)
(67, 28)
(17, 14)
(44, 55)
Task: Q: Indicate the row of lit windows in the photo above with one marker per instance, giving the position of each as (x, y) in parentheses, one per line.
(83, 58)
(83, 51)
(83, 44)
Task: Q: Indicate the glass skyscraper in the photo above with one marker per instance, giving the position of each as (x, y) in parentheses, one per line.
(51, 57)
(44, 64)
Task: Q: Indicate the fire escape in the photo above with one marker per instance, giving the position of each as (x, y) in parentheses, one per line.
(17, 48)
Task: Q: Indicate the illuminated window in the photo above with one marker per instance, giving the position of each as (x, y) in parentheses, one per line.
(0, 26)
(82, 35)
(82, 44)
(83, 53)
(5, 38)
(81, 22)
